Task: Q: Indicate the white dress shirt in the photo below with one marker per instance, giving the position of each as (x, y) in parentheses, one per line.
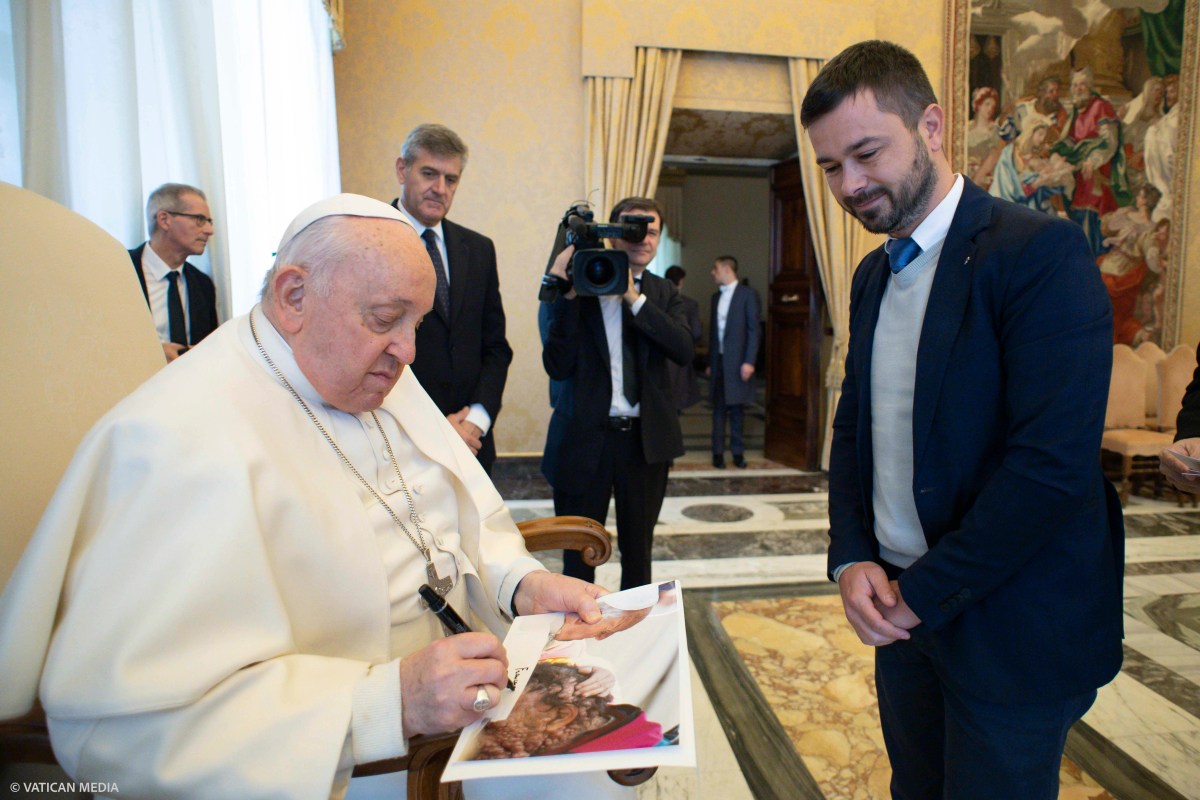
(610, 309)
(726, 290)
(154, 272)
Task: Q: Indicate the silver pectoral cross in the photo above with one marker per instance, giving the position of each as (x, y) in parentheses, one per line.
(436, 582)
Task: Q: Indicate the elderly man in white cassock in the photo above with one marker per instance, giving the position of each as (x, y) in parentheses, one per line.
(221, 599)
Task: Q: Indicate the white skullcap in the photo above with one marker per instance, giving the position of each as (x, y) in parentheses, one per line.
(341, 205)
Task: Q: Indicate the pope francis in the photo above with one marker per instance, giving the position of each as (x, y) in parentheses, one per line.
(221, 599)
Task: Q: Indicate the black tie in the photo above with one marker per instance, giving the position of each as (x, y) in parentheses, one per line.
(175, 319)
(441, 292)
(628, 361)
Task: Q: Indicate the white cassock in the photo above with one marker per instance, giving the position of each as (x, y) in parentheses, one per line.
(213, 606)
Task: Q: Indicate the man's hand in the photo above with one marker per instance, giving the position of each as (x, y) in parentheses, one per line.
(900, 614)
(600, 681)
(747, 372)
(1174, 468)
(631, 293)
(546, 592)
(865, 589)
(469, 431)
(173, 350)
(559, 267)
(438, 683)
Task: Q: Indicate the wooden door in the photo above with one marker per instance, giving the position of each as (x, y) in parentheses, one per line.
(794, 311)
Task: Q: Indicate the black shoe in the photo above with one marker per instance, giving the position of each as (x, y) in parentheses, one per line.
(739, 461)
(719, 460)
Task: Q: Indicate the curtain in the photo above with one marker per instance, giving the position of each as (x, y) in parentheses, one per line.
(670, 197)
(627, 120)
(840, 243)
(232, 96)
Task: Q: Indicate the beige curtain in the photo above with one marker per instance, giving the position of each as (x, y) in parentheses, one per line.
(840, 243)
(627, 120)
(669, 195)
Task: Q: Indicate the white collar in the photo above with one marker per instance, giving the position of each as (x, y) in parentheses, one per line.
(420, 227)
(727, 287)
(281, 353)
(934, 228)
(153, 264)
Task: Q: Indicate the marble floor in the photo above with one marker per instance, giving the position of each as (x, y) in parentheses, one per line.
(761, 533)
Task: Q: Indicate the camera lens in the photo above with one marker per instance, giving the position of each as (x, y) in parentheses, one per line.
(600, 271)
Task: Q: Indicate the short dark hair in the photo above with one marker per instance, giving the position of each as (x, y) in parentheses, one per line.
(675, 274)
(730, 260)
(893, 74)
(635, 204)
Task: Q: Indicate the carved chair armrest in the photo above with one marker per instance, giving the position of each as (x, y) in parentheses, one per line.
(587, 536)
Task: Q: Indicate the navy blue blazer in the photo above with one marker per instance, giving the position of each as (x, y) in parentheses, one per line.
(202, 296)
(1020, 591)
(741, 344)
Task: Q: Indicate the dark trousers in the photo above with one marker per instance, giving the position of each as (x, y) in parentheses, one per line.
(639, 489)
(720, 409)
(946, 744)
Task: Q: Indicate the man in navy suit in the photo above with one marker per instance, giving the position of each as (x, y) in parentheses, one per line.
(615, 428)
(732, 349)
(462, 353)
(974, 540)
(180, 225)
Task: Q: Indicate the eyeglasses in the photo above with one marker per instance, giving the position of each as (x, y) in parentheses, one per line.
(199, 219)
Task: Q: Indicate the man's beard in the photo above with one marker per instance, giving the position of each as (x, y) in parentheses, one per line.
(908, 205)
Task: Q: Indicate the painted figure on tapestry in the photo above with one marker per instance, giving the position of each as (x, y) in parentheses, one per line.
(1090, 136)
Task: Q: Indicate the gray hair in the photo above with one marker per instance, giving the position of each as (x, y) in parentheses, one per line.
(1086, 73)
(168, 197)
(435, 140)
(316, 249)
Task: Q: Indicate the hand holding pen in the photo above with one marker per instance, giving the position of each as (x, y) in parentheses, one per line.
(454, 625)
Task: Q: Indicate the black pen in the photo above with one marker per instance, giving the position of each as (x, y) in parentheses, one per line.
(449, 617)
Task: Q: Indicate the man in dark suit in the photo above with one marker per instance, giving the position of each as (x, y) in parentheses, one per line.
(973, 538)
(1185, 477)
(732, 350)
(180, 224)
(615, 429)
(462, 353)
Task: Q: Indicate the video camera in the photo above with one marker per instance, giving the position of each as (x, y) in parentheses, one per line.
(593, 270)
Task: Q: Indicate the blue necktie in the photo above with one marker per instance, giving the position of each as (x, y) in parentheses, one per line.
(902, 252)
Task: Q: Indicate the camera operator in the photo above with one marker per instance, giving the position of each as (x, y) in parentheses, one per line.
(618, 431)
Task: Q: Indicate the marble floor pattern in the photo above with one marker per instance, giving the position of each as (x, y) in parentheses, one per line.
(762, 531)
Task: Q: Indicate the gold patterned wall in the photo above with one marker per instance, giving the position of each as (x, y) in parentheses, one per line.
(507, 76)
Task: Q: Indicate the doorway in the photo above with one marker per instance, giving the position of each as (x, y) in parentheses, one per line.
(754, 210)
